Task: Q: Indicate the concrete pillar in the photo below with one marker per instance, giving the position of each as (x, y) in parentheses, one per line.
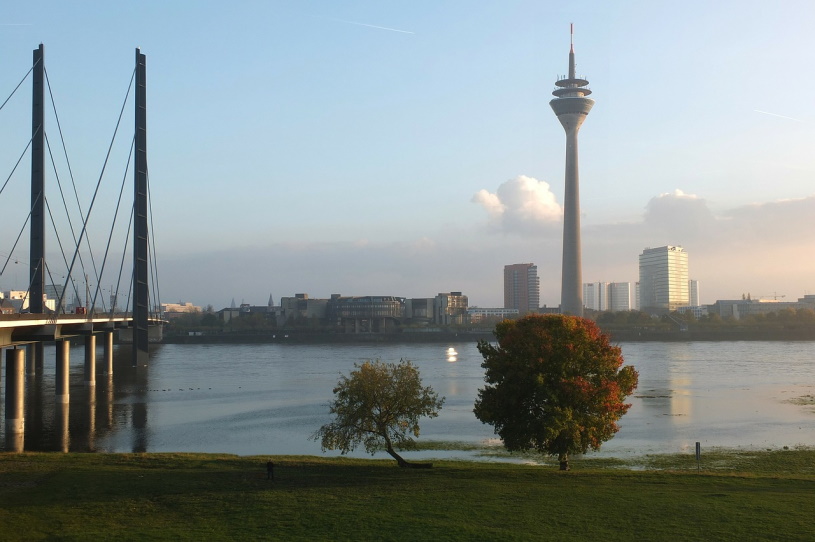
(90, 360)
(61, 418)
(108, 338)
(61, 379)
(15, 391)
(34, 357)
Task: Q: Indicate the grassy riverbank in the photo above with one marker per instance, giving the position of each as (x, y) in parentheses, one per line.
(736, 496)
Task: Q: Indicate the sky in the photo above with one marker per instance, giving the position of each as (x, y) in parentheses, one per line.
(408, 148)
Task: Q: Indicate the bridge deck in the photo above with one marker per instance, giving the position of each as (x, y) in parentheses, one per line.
(25, 328)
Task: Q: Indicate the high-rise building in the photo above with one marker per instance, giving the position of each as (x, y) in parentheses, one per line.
(571, 107)
(619, 296)
(607, 296)
(693, 293)
(521, 287)
(663, 279)
(595, 296)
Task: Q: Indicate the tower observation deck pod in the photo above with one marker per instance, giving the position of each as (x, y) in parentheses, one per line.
(571, 107)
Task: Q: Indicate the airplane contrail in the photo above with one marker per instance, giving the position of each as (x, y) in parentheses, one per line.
(374, 26)
(777, 115)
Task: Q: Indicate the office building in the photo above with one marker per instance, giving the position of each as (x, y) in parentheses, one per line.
(619, 296)
(521, 287)
(663, 279)
(595, 296)
(693, 293)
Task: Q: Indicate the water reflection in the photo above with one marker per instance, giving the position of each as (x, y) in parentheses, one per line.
(93, 412)
(268, 399)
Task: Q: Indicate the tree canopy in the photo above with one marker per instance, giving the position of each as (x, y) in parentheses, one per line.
(554, 384)
(379, 405)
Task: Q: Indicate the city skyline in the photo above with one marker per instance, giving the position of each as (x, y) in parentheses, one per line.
(291, 151)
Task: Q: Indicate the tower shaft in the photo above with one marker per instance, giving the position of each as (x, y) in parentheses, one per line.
(571, 107)
(571, 297)
(36, 286)
(140, 233)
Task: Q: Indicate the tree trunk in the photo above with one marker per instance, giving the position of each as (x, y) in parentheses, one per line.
(564, 461)
(401, 461)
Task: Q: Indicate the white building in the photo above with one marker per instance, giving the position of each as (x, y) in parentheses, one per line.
(663, 279)
(607, 296)
(693, 292)
(595, 295)
(619, 296)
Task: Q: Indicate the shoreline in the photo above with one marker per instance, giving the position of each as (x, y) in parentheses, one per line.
(625, 335)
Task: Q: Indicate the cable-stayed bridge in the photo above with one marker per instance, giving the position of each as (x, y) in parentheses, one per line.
(63, 296)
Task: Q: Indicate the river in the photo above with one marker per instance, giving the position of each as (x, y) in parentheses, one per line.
(258, 399)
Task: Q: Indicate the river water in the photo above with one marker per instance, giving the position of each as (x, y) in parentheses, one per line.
(258, 399)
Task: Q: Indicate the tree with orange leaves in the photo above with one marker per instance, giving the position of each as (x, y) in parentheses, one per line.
(555, 384)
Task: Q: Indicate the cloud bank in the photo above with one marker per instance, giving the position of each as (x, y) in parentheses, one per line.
(762, 248)
(520, 205)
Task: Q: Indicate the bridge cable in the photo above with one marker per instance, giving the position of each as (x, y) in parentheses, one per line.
(113, 225)
(18, 86)
(62, 251)
(97, 276)
(20, 159)
(130, 288)
(67, 213)
(18, 240)
(73, 182)
(101, 175)
(153, 260)
(122, 264)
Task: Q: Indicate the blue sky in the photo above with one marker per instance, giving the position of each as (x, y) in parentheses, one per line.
(341, 147)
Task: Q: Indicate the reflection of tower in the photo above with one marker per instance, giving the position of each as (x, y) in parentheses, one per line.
(571, 107)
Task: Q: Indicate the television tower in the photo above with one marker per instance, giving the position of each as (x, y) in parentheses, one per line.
(571, 107)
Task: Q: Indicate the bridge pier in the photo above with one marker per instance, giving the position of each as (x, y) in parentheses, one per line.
(90, 360)
(108, 337)
(34, 358)
(15, 392)
(61, 387)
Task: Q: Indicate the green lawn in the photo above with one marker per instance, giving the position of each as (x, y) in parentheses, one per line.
(736, 496)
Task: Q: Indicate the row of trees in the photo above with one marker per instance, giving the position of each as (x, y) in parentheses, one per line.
(554, 384)
(783, 318)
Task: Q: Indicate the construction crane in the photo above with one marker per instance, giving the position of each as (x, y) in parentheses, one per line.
(775, 296)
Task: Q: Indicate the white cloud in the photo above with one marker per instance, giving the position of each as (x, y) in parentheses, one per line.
(520, 205)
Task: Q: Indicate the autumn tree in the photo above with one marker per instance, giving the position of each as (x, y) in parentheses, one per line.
(379, 405)
(554, 384)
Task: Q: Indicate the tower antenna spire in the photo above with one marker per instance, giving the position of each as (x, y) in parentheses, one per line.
(571, 105)
(571, 52)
